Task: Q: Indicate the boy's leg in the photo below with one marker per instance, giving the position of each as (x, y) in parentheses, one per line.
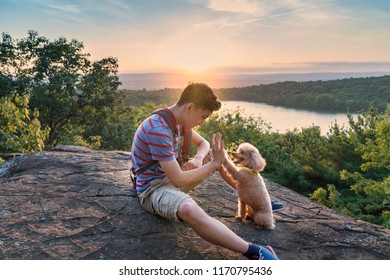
(167, 201)
(162, 199)
(217, 233)
(209, 228)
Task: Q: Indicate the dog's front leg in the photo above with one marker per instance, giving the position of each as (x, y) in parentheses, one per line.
(241, 211)
(230, 167)
(227, 178)
(249, 212)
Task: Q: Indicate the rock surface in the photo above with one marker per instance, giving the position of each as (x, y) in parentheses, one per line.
(75, 203)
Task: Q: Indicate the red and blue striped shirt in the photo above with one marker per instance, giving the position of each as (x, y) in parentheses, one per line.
(153, 141)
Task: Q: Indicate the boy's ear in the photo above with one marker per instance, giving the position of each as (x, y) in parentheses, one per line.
(190, 107)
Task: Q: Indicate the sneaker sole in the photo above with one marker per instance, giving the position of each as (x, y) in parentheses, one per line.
(269, 248)
(277, 210)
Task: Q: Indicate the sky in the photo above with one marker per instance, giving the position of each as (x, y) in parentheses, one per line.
(223, 36)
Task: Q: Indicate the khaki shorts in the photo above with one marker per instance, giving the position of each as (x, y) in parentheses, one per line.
(163, 199)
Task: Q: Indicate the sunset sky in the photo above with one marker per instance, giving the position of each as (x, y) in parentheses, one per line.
(251, 36)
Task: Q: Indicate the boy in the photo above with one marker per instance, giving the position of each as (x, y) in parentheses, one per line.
(162, 189)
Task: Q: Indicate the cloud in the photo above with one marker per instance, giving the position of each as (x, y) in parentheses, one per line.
(234, 6)
(289, 13)
(305, 67)
(207, 33)
(74, 9)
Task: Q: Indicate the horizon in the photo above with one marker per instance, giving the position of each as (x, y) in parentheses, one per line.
(254, 73)
(199, 37)
(156, 81)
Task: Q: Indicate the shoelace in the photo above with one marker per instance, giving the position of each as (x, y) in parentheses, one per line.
(268, 249)
(260, 254)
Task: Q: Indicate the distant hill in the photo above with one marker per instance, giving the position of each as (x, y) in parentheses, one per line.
(353, 94)
(156, 81)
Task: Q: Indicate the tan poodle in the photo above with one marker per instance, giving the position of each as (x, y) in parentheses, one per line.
(253, 198)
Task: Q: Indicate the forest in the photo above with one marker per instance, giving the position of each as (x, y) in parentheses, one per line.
(344, 95)
(52, 94)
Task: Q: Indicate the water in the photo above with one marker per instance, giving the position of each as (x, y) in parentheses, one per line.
(285, 119)
(153, 81)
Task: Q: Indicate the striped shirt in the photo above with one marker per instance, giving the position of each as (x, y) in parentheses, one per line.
(153, 141)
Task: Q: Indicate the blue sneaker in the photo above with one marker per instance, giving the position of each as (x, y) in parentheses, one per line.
(276, 206)
(269, 248)
(266, 253)
(257, 252)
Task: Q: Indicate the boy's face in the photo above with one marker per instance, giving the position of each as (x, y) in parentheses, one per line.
(195, 116)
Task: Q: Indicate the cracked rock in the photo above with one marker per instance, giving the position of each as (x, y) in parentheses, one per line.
(76, 203)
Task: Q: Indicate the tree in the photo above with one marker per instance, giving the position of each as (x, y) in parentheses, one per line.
(365, 145)
(330, 198)
(371, 137)
(19, 131)
(65, 87)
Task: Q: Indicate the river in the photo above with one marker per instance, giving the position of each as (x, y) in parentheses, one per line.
(284, 119)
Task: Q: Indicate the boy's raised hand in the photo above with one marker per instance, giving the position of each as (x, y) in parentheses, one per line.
(217, 146)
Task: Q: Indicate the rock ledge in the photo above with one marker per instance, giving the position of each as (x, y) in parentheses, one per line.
(76, 203)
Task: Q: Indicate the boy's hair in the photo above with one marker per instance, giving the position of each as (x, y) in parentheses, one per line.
(201, 95)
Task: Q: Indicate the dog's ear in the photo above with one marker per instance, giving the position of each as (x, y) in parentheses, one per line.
(257, 161)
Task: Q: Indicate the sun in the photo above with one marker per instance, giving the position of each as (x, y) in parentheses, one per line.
(193, 66)
(195, 61)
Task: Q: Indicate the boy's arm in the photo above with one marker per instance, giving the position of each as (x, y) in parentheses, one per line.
(180, 178)
(202, 149)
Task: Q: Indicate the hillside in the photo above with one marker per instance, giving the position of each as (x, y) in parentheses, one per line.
(352, 94)
(75, 203)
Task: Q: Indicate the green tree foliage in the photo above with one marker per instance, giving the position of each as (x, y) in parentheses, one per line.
(141, 97)
(65, 87)
(330, 198)
(371, 137)
(308, 152)
(20, 129)
(368, 178)
(352, 94)
(234, 126)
